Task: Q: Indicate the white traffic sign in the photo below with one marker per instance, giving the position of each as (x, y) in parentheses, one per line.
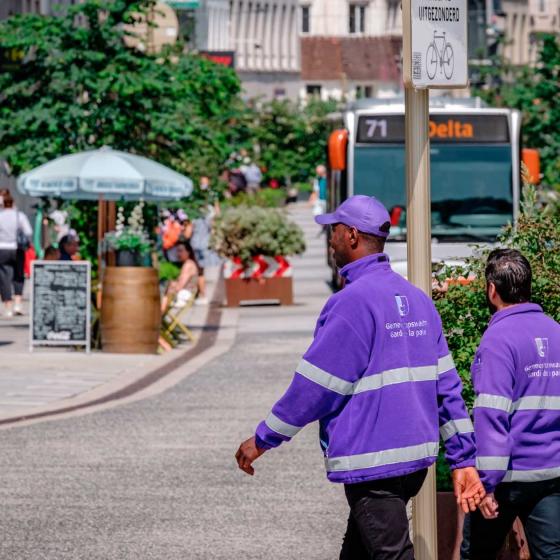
(435, 43)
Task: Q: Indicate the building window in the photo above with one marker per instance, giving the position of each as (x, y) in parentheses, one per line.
(313, 90)
(357, 18)
(305, 23)
(364, 92)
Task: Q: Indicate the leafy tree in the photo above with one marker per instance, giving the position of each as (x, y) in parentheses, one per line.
(290, 139)
(537, 94)
(80, 87)
(534, 91)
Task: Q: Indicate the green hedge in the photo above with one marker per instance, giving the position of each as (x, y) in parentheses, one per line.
(463, 308)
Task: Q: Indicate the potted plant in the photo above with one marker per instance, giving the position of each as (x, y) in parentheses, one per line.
(130, 242)
(256, 241)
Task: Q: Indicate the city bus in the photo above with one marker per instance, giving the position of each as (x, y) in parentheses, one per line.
(475, 171)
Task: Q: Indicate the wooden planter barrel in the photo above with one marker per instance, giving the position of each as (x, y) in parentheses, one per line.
(130, 310)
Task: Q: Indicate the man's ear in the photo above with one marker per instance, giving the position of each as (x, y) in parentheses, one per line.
(491, 290)
(353, 236)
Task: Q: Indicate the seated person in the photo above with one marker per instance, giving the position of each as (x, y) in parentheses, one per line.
(185, 286)
(51, 254)
(68, 246)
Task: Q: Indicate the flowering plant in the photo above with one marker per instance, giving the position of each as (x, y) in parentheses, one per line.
(245, 232)
(132, 236)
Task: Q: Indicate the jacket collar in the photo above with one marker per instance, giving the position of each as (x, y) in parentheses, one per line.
(515, 310)
(354, 270)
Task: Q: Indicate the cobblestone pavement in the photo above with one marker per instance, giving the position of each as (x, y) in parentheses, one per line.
(156, 479)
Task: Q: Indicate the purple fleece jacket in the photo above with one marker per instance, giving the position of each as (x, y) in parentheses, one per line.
(516, 375)
(379, 378)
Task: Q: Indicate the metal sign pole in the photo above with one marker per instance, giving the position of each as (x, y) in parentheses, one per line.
(434, 56)
(419, 254)
(418, 215)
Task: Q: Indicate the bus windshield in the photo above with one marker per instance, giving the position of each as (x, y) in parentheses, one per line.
(471, 188)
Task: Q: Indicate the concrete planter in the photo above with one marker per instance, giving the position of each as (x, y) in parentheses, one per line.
(253, 290)
(267, 279)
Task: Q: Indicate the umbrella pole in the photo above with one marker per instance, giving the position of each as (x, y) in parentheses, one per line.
(100, 235)
(111, 223)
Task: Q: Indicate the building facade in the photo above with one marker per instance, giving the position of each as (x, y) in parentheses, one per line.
(263, 34)
(46, 7)
(350, 18)
(520, 22)
(350, 48)
(332, 48)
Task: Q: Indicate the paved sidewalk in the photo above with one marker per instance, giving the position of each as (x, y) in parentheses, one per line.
(50, 378)
(156, 479)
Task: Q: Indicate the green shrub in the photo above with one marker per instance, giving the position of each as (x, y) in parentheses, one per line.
(463, 308)
(304, 187)
(247, 231)
(265, 198)
(271, 198)
(168, 271)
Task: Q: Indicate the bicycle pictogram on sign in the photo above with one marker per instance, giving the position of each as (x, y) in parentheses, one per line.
(439, 56)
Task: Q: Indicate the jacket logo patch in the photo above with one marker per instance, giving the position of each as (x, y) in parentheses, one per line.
(542, 347)
(402, 305)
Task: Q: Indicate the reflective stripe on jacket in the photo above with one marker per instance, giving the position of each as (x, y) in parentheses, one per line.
(379, 378)
(516, 376)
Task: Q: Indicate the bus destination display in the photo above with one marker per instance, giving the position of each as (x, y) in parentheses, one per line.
(473, 129)
(60, 303)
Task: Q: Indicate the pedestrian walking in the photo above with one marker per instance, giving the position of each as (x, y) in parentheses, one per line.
(200, 239)
(318, 198)
(252, 173)
(379, 378)
(516, 377)
(15, 238)
(236, 182)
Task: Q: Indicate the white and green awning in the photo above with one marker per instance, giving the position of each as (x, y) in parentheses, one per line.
(183, 4)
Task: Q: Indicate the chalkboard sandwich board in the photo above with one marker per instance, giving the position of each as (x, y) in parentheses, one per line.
(60, 303)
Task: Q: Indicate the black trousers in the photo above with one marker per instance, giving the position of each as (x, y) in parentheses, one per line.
(378, 524)
(537, 504)
(11, 273)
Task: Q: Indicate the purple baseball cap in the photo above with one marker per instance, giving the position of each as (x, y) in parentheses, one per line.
(365, 213)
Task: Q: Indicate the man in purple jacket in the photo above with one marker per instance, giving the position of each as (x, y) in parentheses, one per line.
(380, 380)
(516, 376)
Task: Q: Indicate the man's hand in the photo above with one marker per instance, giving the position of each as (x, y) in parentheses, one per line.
(489, 507)
(247, 453)
(468, 489)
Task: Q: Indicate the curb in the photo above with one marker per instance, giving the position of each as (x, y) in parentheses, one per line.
(207, 340)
